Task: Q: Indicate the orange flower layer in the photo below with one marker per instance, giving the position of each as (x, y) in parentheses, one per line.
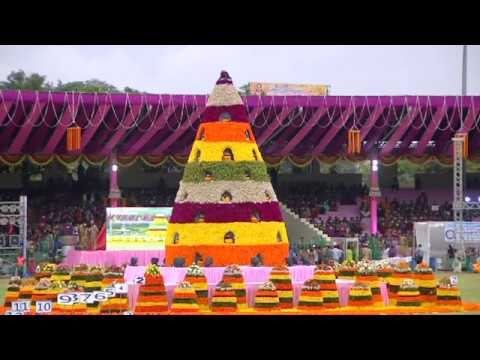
(274, 255)
(360, 302)
(310, 308)
(226, 131)
(142, 298)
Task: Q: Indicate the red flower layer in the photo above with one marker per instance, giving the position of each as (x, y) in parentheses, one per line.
(237, 113)
(185, 213)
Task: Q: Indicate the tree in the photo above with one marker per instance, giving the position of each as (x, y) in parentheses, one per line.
(89, 86)
(18, 80)
(244, 90)
(129, 90)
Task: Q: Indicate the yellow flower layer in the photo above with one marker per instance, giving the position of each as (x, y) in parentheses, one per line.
(117, 301)
(448, 292)
(213, 151)
(200, 286)
(408, 293)
(280, 277)
(189, 291)
(427, 283)
(185, 306)
(225, 299)
(12, 294)
(261, 233)
(237, 286)
(92, 284)
(150, 303)
(285, 294)
(311, 298)
(361, 293)
(266, 300)
(329, 294)
(324, 277)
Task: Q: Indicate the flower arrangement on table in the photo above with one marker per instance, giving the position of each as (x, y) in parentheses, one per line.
(26, 288)
(224, 298)
(44, 270)
(402, 271)
(347, 270)
(360, 295)
(76, 308)
(152, 298)
(233, 275)
(367, 274)
(325, 275)
(384, 270)
(80, 274)
(448, 293)
(266, 297)
(311, 297)
(115, 304)
(408, 294)
(93, 282)
(13, 291)
(42, 292)
(61, 273)
(280, 277)
(427, 285)
(196, 277)
(184, 299)
(113, 274)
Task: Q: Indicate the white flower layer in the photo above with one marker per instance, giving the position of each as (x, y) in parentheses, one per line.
(224, 95)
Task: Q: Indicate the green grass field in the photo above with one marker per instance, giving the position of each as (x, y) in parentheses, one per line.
(469, 286)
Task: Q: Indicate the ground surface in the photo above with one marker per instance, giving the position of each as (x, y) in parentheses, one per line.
(469, 286)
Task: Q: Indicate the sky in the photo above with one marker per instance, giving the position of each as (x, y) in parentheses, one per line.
(349, 70)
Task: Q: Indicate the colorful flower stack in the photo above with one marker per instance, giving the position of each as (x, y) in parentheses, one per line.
(196, 277)
(44, 271)
(61, 273)
(152, 298)
(57, 287)
(93, 282)
(311, 298)
(402, 272)
(224, 299)
(118, 303)
(367, 274)
(80, 274)
(427, 285)
(13, 291)
(266, 297)
(43, 292)
(448, 293)
(226, 207)
(26, 288)
(184, 299)
(77, 308)
(360, 295)
(384, 271)
(408, 294)
(233, 275)
(325, 275)
(281, 278)
(347, 270)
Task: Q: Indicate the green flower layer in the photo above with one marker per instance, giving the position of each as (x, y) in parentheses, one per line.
(230, 171)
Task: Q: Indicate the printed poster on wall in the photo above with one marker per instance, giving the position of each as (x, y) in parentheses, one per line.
(137, 228)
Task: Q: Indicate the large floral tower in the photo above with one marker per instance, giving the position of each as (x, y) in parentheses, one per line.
(226, 207)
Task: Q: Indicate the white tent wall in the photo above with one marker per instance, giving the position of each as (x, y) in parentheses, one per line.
(431, 236)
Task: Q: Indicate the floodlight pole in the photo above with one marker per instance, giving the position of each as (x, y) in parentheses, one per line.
(115, 193)
(374, 195)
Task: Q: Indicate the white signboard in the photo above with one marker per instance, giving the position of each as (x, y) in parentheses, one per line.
(471, 231)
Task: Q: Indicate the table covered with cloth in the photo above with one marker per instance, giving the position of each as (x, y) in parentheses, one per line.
(253, 277)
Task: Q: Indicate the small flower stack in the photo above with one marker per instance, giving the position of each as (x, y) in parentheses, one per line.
(311, 298)
(448, 293)
(402, 272)
(57, 287)
(233, 276)
(224, 298)
(367, 274)
(427, 285)
(119, 303)
(266, 298)
(280, 277)
(196, 277)
(152, 298)
(347, 270)
(13, 291)
(61, 273)
(325, 275)
(360, 295)
(44, 271)
(80, 274)
(76, 308)
(384, 271)
(185, 299)
(93, 282)
(408, 294)
(43, 292)
(26, 288)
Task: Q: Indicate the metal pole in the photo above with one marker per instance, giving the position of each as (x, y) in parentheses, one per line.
(464, 71)
(23, 229)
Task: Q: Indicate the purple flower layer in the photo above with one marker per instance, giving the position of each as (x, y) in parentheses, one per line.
(219, 213)
(237, 113)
